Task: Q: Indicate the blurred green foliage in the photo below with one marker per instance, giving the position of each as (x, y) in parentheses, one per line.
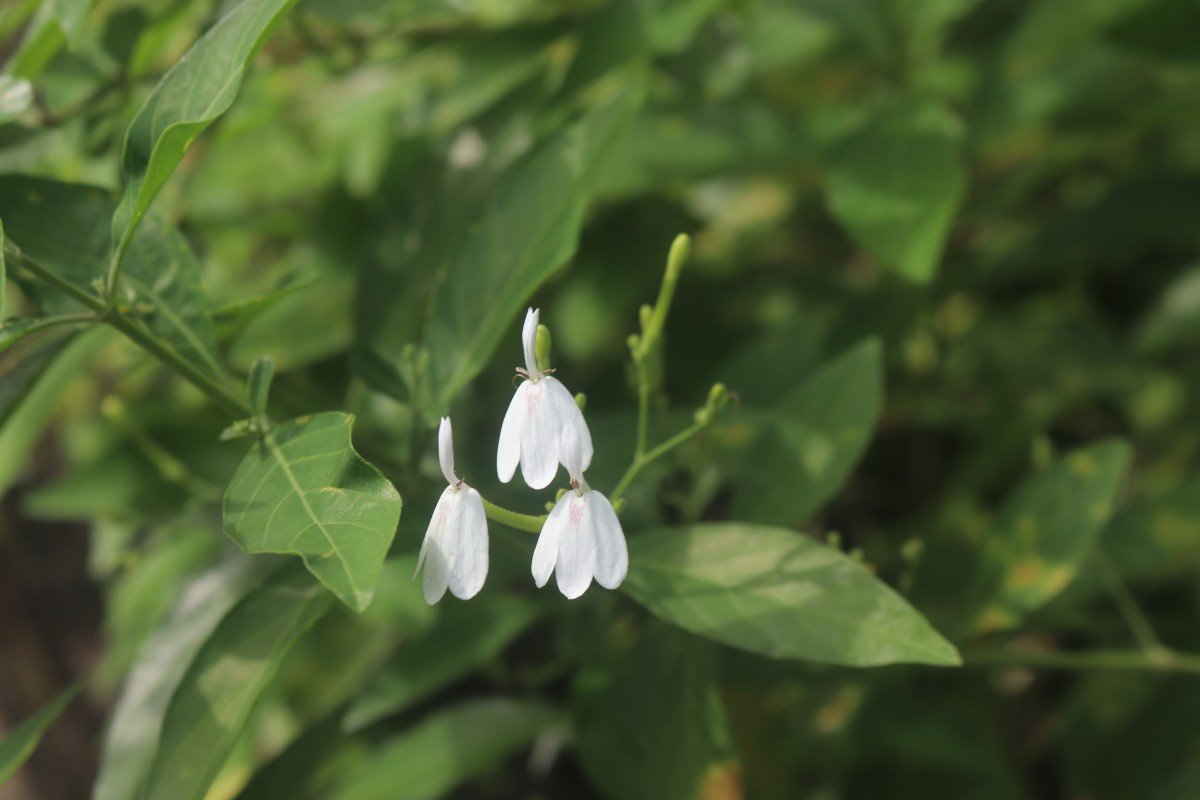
(943, 256)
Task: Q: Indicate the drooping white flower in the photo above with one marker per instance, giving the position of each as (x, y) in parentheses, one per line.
(582, 538)
(541, 413)
(455, 551)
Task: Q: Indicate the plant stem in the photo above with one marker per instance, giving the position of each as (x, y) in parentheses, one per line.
(643, 421)
(513, 519)
(1158, 659)
(222, 395)
(642, 350)
(114, 266)
(1137, 621)
(641, 460)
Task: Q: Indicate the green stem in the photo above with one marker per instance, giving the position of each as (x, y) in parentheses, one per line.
(1159, 659)
(230, 401)
(222, 395)
(643, 421)
(513, 519)
(1137, 621)
(641, 461)
(114, 266)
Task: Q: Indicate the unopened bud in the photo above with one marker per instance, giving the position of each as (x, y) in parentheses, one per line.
(644, 315)
(680, 249)
(718, 397)
(558, 495)
(634, 341)
(541, 348)
(581, 401)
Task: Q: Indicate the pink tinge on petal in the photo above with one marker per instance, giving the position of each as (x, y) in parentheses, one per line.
(577, 510)
(533, 398)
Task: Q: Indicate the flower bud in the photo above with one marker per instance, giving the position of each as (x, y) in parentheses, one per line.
(680, 249)
(542, 348)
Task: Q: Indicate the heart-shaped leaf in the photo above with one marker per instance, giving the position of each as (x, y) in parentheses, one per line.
(302, 489)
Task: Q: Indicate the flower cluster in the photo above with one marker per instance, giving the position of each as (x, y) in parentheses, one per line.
(581, 538)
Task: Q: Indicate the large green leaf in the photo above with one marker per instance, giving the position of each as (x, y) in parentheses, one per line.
(812, 439)
(64, 228)
(651, 724)
(137, 719)
(896, 185)
(1045, 529)
(529, 228)
(467, 637)
(19, 744)
(303, 490)
(780, 594)
(214, 699)
(446, 750)
(199, 88)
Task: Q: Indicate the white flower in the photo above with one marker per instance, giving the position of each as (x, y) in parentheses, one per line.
(582, 537)
(540, 415)
(455, 551)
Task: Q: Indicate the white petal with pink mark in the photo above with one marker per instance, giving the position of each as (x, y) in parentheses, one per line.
(581, 540)
(455, 551)
(539, 421)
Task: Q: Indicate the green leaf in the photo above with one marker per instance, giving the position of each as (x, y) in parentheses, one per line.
(19, 744)
(812, 439)
(198, 89)
(56, 23)
(64, 228)
(1045, 529)
(651, 725)
(14, 330)
(896, 184)
(137, 719)
(303, 490)
(307, 766)
(214, 699)
(528, 230)
(446, 750)
(466, 638)
(780, 594)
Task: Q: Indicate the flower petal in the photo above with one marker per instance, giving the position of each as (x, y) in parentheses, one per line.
(466, 539)
(508, 453)
(539, 437)
(433, 555)
(575, 440)
(446, 450)
(545, 554)
(612, 556)
(529, 342)
(577, 549)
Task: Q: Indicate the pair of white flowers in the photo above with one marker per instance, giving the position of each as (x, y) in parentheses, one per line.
(581, 538)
